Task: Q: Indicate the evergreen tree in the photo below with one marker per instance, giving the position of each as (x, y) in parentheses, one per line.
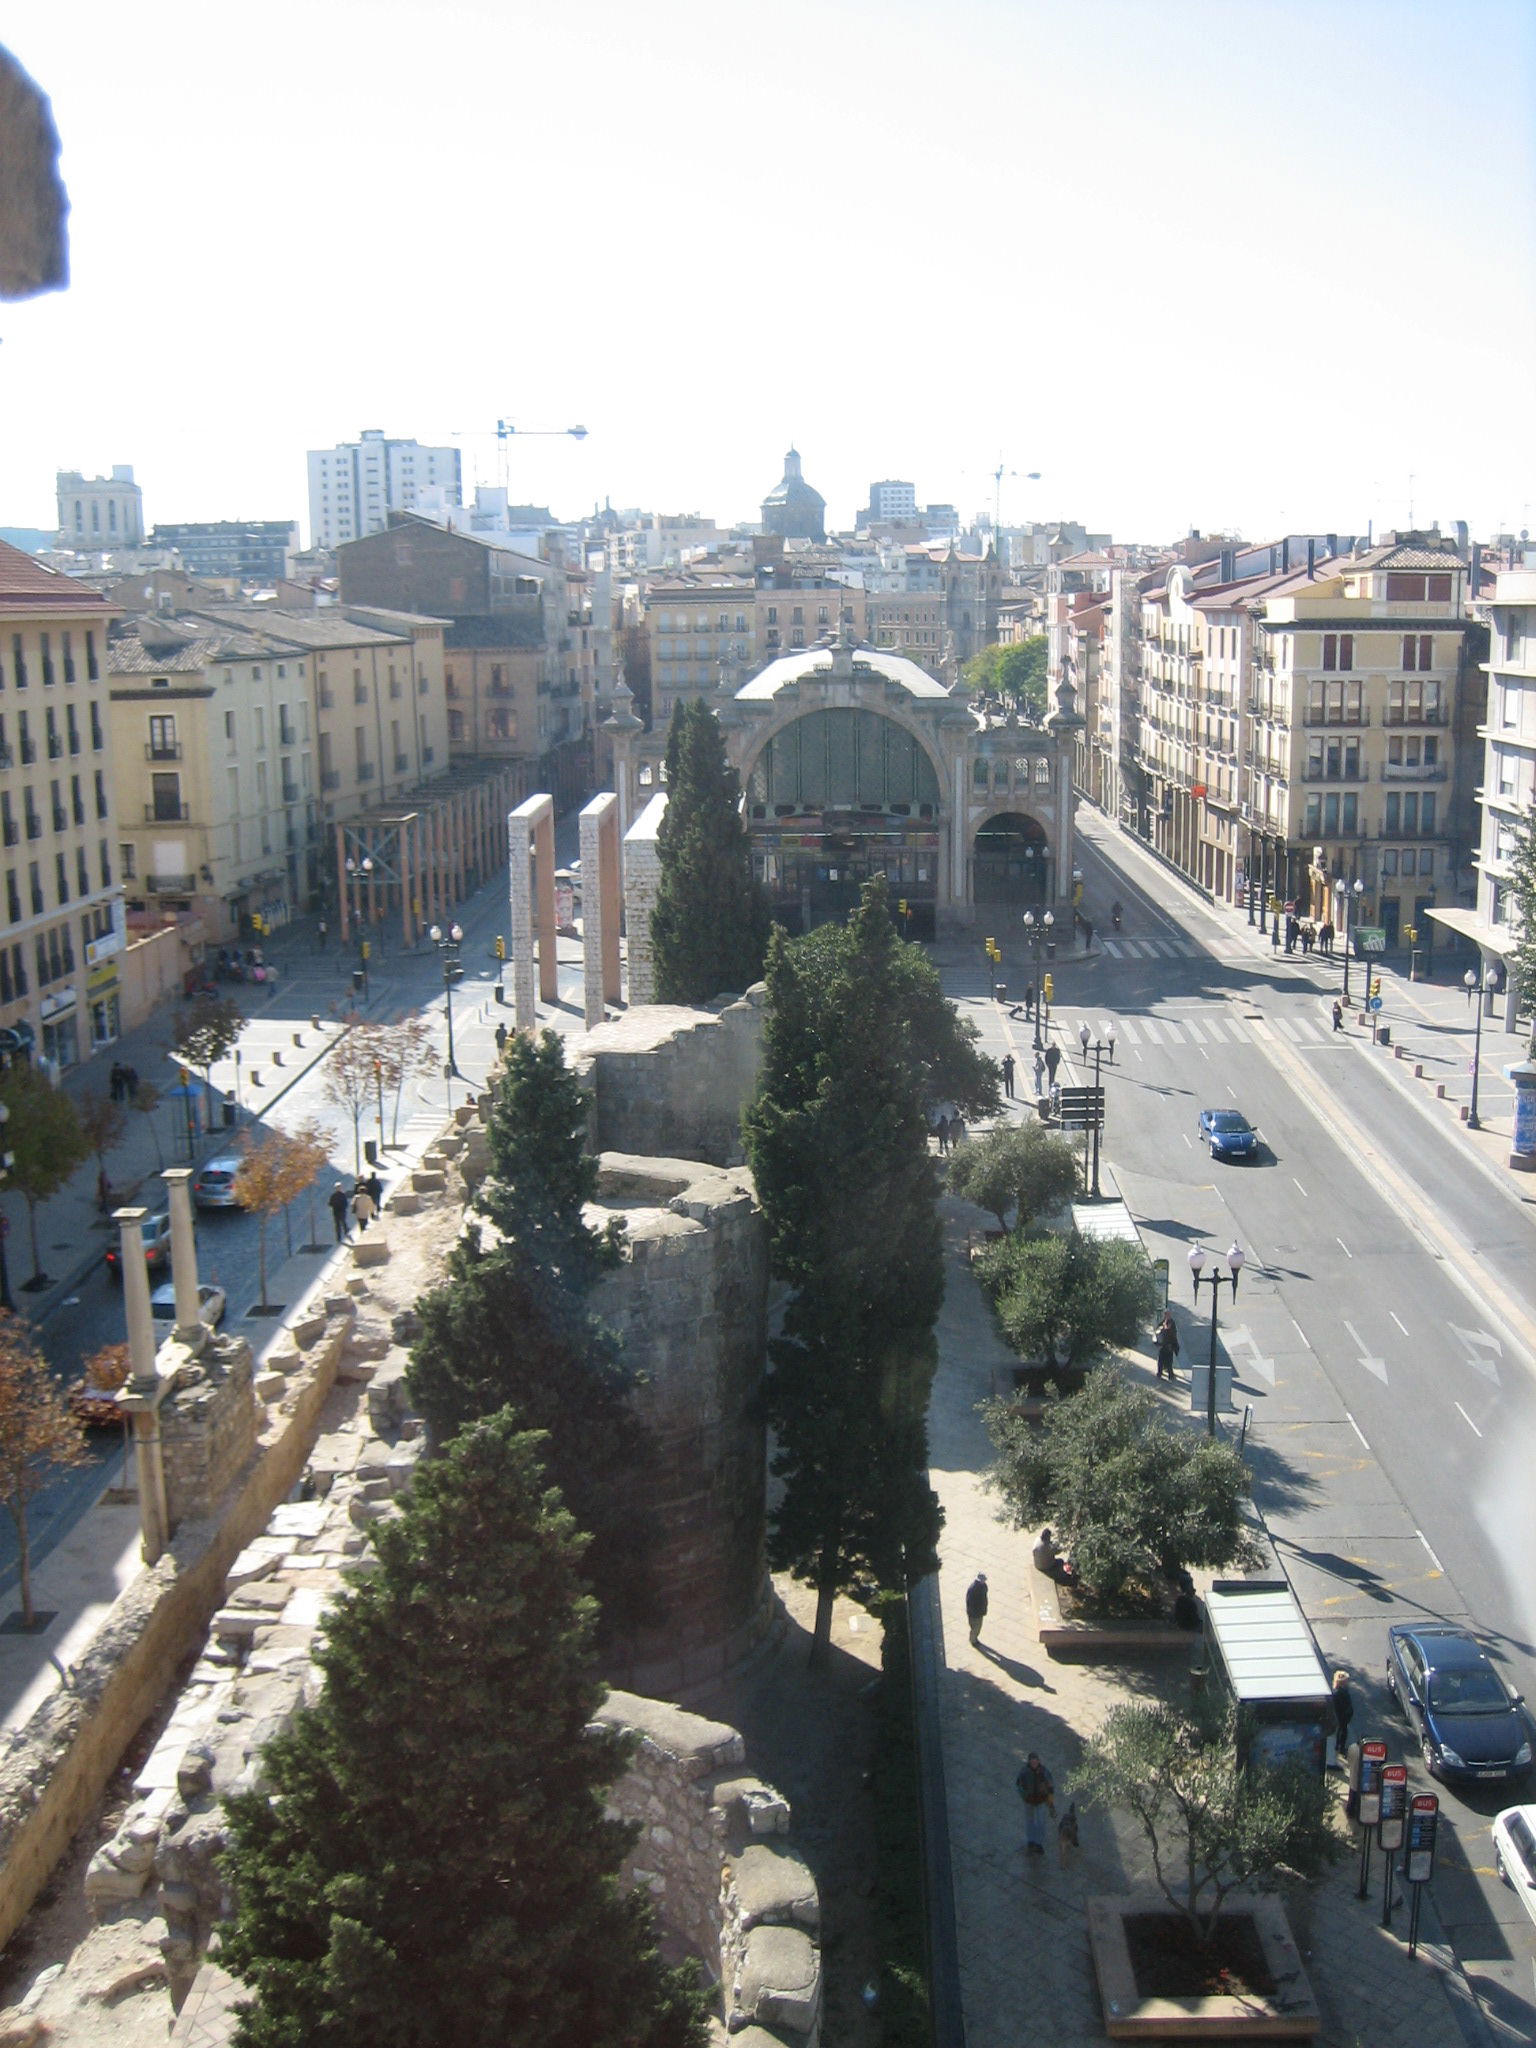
(709, 929)
(859, 1038)
(1522, 886)
(428, 1863)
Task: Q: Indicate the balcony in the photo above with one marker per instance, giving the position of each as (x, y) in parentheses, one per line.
(60, 818)
(1350, 718)
(428, 756)
(359, 693)
(162, 750)
(402, 762)
(365, 771)
(7, 758)
(12, 832)
(290, 792)
(170, 885)
(1414, 771)
(286, 736)
(327, 701)
(55, 747)
(34, 825)
(1405, 714)
(28, 753)
(330, 778)
(164, 812)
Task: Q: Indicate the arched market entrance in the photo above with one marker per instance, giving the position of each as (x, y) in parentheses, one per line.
(1012, 862)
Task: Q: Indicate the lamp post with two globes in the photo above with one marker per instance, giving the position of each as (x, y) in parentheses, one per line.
(1213, 1280)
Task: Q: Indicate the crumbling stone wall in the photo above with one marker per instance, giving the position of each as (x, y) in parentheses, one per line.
(674, 1081)
(208, 1424)
(642, 882)
(689, 1308)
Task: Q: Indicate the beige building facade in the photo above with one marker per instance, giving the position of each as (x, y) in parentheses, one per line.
(63, 931)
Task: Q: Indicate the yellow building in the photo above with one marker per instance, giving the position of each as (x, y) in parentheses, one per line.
(63, 929)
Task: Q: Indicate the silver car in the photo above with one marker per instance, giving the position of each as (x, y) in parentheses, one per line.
(214, 1187)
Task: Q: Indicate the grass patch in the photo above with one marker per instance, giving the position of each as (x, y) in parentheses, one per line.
(899, 1921)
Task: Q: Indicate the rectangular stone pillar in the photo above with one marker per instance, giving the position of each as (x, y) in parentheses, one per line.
(530, 865)
(600, 906)
(642, 879)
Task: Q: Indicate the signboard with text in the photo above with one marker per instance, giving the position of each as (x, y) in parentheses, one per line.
(1423, 1822)
(1394, 1806)
(1370, 1761)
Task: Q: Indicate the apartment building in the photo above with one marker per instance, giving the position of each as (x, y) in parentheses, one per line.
(63, 925)
(707, 625)
(354, 486)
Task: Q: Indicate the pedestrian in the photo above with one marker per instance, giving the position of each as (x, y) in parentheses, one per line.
(322, 932)
(1029, 1002)
(375, 1187)
(337, 1201)
(976, 1604)
(501, 1039)
(1167, 1346)
(1008, 1073)
(1087, 935)
(362, 1206)
(130, 1083)
(1052, 1062)
(1338, 1014)
(1039, 1075)
(941, 1130)
(1343, 1714)
(115, 1082)
(1037, 1789)
(956, 1131)
(1325, 939)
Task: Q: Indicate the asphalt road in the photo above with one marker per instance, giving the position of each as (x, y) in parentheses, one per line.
(1382, 1331)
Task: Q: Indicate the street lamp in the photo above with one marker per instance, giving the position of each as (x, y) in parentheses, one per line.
(448, 944)
(5, 1223)
(1213, 1280)
(1481, 986)
(1035, 936)
(1352, 893)
(1098, 1047)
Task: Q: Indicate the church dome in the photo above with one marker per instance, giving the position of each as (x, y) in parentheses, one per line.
(793, 510)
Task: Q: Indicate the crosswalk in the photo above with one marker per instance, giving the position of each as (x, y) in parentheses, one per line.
(1302, 1027)
(1176, 949)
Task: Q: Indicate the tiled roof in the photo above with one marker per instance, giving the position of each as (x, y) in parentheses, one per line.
(315, 631)
(28, 584)
(1397, 555)
(129, 657)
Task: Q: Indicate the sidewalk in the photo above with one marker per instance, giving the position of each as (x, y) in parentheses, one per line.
(1020, 1921)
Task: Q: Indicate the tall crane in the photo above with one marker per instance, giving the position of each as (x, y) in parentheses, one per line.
(504, 433)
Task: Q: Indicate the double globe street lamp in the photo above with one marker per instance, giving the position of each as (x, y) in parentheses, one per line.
(1350, 894)
(1213, 1280)
(1039, 932)
(1482, 986)
(1098, 1047)
(448, 944)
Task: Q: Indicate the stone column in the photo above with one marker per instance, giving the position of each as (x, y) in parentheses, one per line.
(530, 840)
(642, 876)
(342, 891)
(144, 1391)
(189, 1323)
(600, 906)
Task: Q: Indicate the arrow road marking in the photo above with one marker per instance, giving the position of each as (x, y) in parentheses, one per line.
(1264, 1367)
(1376, 1365)
(1478, 1342)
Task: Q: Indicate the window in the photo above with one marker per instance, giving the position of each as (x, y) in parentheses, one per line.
(261, 724)
(1418, 650)
(1351, 813)
(1330, 817)
(1415, 589)
(1427, 811)
(82, 872)
(229, 727)
(67, 648)
(166, 807)
(1389, 861)
(162, 738)
(19, 661)
(61, 876)
(1514, 640)
(1338, 650)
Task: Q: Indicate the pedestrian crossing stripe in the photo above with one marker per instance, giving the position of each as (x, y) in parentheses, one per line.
(1303, 1030)
(1174, 949)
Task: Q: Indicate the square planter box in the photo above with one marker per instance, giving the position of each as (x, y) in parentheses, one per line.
(1289, 2014)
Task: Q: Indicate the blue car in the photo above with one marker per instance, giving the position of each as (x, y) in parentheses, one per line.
(1469, 1724)
(1228, 1134)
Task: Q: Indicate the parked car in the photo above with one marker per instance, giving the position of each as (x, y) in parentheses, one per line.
(156, 1232)
(1514, 1853)
(1469, 1724)
(1228, 1134)
(214, 1187)
(210, 1300)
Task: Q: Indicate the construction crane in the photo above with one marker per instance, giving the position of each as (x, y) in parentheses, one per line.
(1030, 476)
(504, 433)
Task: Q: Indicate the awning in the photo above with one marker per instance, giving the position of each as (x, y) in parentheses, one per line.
(1496, 939)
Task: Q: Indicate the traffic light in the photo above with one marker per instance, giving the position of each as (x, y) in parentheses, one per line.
(1049, 990)
(258, 924)
(501, 947)
(901, 907)
(1375, 984)
(365, 949)
(1411, 934)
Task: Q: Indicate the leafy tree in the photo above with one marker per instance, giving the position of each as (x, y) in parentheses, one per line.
(312, 1156)
(402, 1050)
(102, 1379)
(1211, 1824)
(449, 1763)
(102, 1121)
(38, 1436)
(1068, 1299)
(1130, 1499)
(511, 1324)
(1522, 884)
(709, 929)
(206, 1032)
(275, 1170)
(351, 1080)
(146, 1100)
(1017, 671)
(45, 1137)
(859, 1039)
(1019, 1168)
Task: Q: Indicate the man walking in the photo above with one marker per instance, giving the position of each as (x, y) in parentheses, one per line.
(976, 1604)
(1052, 1062)
(1167, 1346)
(1037, 1789)
(1029, 1003)
(337, 1202)
(1008, 1074)
(1338, 1014)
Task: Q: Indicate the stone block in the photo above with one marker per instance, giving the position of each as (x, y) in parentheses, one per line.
(778, 1980)
(427, 1181)
(774, 1886)
(404, 1204)
(371, 1250)
(308, 1331)
(271, 1386)
(298, 1520)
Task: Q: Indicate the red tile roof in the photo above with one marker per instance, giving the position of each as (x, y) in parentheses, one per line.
(27, 584)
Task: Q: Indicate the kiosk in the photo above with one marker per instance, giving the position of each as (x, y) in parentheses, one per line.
(1262, 1651)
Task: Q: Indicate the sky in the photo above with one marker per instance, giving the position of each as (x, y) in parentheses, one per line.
(1236, 265)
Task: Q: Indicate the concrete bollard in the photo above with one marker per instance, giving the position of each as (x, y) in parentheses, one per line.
(298, 1039)
(256, 1081)
(277, 1058)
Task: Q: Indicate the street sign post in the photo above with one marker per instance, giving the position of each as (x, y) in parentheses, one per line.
(1419, 1863)
(1367, 1759)
(1391, 1827)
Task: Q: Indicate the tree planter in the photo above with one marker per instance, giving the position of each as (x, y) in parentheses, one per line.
(1099, 1635)
(1271, 1999)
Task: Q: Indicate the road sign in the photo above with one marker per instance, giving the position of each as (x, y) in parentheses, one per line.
(1423, 1821)
(1375, 1003)
(1369, 1766)
(1371, 938)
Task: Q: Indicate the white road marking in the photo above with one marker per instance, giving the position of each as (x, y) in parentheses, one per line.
(1378, 1366)
(1398, 1320)
(1466, 1418)
(1439, 1567)
(1347, 1252)
(1189, 1141)
(1296, 1184)
(1359, 1432)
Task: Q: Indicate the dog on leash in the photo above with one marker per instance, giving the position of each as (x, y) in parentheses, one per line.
(1067, 1840)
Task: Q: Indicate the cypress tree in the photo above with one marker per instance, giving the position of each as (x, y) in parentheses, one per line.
(859, 1039)
(709, 929)
(428, 1863)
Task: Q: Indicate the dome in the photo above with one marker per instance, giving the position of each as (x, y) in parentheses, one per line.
(793, 510)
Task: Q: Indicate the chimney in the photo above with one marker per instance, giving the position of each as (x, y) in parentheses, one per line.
(1311, 555)
(1285, 555)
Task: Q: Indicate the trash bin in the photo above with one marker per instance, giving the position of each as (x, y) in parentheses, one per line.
(371, 1151)
(231, 1115)
(1001, 991)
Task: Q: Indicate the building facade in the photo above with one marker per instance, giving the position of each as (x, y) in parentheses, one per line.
(250, 550)
(63, 928)
(354, 486)
(100, 512)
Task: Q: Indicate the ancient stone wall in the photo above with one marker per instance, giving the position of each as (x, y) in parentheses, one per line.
(688, 1305)
(208, 1424)
(674, 1081)
(642, 879)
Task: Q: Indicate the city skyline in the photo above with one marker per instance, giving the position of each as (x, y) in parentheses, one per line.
(1239, 269)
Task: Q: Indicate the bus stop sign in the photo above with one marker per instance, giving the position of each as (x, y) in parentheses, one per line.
(1394, 1806)
(1423, 1820)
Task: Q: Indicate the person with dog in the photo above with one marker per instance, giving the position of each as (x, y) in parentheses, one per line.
(1037, 1789)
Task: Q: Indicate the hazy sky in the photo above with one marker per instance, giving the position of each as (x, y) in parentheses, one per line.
(1215, 263)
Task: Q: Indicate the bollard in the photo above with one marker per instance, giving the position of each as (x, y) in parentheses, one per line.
(255, 1077)
(277, 1058)
(298, 1038)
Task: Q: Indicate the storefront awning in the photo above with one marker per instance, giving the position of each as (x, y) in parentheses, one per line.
(1495, 939)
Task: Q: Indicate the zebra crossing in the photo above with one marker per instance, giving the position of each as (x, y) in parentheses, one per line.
(1303, 1027)
(1175, 949)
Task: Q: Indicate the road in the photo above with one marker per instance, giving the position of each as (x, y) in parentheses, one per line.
(1383, 1329)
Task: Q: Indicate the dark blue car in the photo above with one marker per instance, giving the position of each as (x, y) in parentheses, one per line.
(1229, 1134)
(1470, 1725)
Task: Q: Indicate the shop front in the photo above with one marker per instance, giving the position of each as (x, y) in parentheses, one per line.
(61, 1028)
(103, 996)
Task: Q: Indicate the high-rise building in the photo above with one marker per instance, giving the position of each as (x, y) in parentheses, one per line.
(255, 550)
(354, 486)
(100, 511)
(890, 503)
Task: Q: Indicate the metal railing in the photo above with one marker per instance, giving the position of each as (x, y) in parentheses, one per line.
(162, 750)
(164, 812)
